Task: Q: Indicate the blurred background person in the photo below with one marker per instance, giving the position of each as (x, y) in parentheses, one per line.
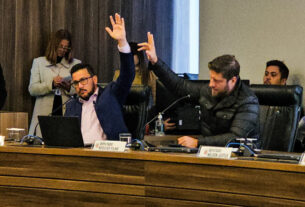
(143, 75)
(3, 93)
(147, 78)
(276, 73)
(50, 78)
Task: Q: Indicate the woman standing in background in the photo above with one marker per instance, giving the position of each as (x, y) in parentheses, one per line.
(50, 78)
(143, 75)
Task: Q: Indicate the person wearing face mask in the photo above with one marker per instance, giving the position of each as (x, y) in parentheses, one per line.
(50, 78)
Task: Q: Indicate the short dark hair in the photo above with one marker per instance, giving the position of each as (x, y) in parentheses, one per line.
(227, 65)
(81, 66)
(282, 67)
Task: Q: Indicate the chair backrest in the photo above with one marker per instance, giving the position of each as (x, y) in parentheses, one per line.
(280, 109)
(136, 109)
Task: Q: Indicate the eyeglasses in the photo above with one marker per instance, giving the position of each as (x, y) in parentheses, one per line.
(83, 81)
(64, 48)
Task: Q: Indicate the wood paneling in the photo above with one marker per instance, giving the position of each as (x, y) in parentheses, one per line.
(34, 176)
(31, 197)
(26, 26)
(13, 120)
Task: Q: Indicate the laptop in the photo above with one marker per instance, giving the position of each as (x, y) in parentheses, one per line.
(61, 131)
(280, 156)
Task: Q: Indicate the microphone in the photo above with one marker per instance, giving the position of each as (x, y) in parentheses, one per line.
(171, 105)
(74, 96)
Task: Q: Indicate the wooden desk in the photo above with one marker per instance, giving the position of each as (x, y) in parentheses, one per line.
(80, 177)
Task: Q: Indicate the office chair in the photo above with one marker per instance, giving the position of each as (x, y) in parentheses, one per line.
(136, 109)
(280, 109)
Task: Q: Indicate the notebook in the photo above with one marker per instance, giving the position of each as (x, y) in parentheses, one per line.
(61, 131)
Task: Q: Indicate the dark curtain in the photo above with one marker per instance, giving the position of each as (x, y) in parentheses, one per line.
(26, 25)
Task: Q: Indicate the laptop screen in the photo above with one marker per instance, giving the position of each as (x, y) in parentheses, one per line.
(61, 131)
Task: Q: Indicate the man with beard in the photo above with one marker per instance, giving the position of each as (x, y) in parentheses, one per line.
(100, 110)
(276, 73)
(229, 109)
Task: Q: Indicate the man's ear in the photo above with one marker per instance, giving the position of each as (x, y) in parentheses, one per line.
(234, 79)
(283, 81)
(94, 79)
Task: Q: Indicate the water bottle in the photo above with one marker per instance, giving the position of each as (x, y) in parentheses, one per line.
(159, 127)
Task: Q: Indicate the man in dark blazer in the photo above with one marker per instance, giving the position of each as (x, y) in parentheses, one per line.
(3, 93)
(100, 110)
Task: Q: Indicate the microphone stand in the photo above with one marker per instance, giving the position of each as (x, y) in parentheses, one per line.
(70, 99)
(162, 112)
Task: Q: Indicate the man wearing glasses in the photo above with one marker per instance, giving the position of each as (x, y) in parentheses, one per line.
(100, 110)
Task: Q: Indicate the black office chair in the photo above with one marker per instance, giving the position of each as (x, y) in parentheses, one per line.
(280, 109)
(136, 109)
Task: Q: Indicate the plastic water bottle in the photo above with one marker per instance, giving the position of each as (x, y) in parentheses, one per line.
(159, 127)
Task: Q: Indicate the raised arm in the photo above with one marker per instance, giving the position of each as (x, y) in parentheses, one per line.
(122, 85)
(176, 84)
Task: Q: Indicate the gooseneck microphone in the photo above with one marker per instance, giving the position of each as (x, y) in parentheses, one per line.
(171, 105)
(70, 99)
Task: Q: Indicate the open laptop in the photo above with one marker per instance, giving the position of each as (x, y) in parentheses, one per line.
(61, 131)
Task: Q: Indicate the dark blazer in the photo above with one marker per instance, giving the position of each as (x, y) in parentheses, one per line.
(3, 93)
(110, 100)
(236, 115)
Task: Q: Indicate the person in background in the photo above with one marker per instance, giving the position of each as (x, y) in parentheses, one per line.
(100, 110)
(50, 78)
(276, 73)
(3, 92)
(229, 109)
(143, 76)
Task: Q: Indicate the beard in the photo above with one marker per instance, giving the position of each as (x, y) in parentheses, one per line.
(89, 94)
(221, 94)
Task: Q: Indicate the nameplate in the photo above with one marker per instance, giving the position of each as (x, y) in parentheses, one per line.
(2, 138)
(215, 152)
(302, 159)
(109, 146)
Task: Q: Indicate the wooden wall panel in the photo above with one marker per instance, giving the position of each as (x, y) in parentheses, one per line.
(26, 26)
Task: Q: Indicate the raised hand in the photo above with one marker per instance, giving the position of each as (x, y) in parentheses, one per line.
(150, 49)
(118, 29)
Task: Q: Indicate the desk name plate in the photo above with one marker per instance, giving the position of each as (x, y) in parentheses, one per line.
(109, 146)
(215, 152)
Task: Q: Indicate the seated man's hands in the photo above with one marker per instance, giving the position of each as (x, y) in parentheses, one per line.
(187, 141)
(169, 126)
(150, 48)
